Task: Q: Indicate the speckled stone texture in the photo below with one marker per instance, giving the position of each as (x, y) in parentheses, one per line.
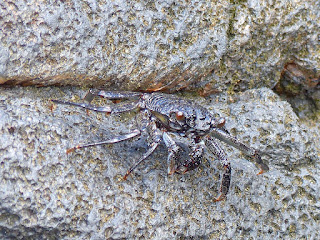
(149, 44)
(46, 194)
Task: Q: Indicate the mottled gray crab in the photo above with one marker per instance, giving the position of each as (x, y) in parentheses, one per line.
(163, 114)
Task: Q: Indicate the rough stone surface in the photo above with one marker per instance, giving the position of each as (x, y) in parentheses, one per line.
(301, 88)
(46, 194)
(143, 44)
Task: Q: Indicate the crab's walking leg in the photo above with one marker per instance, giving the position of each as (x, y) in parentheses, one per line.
(226, 177)
(112, 95)
(119, 108)
(173, 150)
(144, 156)
(227, 138)
(121, 138)
(155, 135)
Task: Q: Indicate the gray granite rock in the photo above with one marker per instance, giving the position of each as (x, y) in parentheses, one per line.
(46, 194)
(149, 44)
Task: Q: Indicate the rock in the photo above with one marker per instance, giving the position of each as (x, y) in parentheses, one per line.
(46, 193)
(301, 88)
(128, 45)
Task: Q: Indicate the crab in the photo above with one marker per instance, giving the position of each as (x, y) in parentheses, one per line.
(166, 115)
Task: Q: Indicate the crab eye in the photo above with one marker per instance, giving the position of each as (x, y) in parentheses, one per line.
(180, 116)
(221, 122)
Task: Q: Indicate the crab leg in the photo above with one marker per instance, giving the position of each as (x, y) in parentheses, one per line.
(226, 177)
(112, 95)
(119, 108)
(227, 138)
(155, 137)
(144, 156)
(121, 138)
